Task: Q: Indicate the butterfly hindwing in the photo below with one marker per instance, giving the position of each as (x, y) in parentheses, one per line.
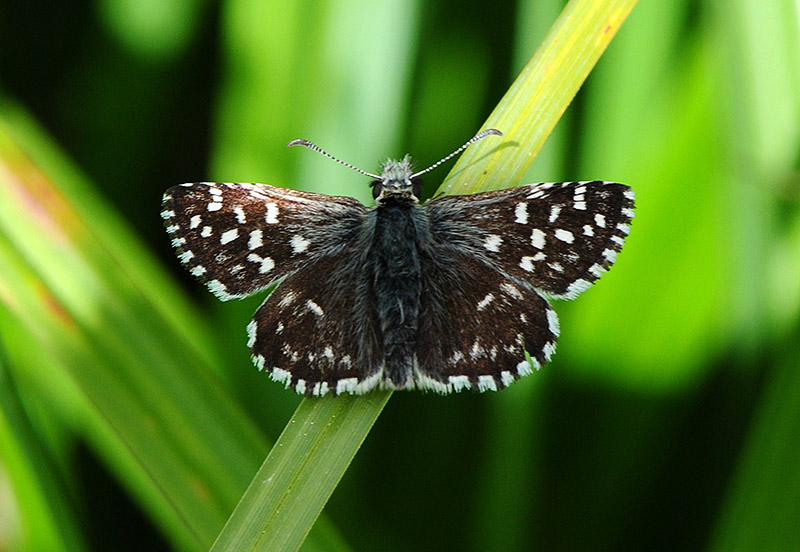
(478, 325)
(241, 238)
(314, 335)
(560, 237)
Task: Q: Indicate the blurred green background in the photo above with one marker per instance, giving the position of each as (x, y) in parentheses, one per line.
(670, 416)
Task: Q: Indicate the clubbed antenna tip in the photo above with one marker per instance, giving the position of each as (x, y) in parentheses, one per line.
(309, 145)
(479, 136)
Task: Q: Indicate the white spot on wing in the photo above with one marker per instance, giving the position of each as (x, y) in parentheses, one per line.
(537, 238)
(524, 368)
(281, 376)
(194, 222)
(186, 256)
(272, 213)
(347, 385)
(506, 377)
(251, 334)
(228, 236)
(555, 210)
(459, 382)
(255, 240)
(477, 351)
(219, 289)
(316, 309)
(521, 212)
(596, 270)
(486, 383)
(205, 232)
(552, 322)
(214, 206)
(548, 351)
(299, 243)
(266, 263)
(485, 301)
(511, 290)
(564, 235)
(369, 383)
(600, 220)
(294, 356)
(577, 287)
(527, 263)
(239, 212)
(588, 230)
(421, 381)
(492, 243)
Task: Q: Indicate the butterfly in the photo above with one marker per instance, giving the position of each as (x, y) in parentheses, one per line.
(446, 295)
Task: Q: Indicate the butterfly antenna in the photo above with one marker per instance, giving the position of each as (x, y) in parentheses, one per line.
(309, 145)
(479, 136)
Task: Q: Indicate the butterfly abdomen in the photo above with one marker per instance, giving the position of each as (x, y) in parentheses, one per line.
(397, 283)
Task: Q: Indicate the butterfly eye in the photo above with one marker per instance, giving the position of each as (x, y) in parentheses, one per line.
(416, 187)
(377, 188)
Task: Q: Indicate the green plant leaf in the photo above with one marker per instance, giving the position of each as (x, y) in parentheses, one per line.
(301, 472)
(539, 96)
(95, 329)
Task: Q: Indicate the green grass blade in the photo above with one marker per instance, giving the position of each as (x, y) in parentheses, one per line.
(318, 444)
(95, 329)
(300, 473)
(48, 522)
(75, 285)
(539, 96)
(762, 510)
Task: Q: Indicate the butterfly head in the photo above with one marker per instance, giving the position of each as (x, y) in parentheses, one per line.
(397, 180)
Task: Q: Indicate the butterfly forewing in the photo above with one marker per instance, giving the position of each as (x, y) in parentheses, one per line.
(559, 237)
(241, 238)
